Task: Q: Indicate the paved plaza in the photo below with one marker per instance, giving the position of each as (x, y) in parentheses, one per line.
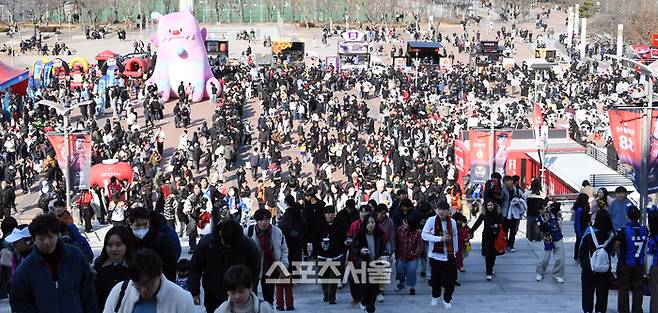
(513, 288)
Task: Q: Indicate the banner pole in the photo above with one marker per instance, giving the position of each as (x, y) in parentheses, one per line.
(644, 177)
(67, 179)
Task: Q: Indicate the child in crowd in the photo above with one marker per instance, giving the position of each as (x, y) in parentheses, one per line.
(549, 225)
(464, 239)
(182, 271)
(463, 236)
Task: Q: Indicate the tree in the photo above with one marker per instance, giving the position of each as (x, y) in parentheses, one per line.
(643, 20)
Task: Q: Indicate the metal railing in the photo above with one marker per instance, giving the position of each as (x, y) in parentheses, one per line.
(607, 160)
(602, 180)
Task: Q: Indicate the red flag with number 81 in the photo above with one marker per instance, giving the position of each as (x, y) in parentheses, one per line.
(626, 130)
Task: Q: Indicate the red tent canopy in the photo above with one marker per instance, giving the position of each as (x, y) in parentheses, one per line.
(13, 78)
(107, 54)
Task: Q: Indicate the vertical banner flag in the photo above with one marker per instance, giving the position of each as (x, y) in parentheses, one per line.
(480, 159)
(537, 118)
(625, 127)
(461, 161)
(537, 121)
(502, 144)
(79, 145)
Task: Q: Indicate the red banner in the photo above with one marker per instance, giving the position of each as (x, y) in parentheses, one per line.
(79, 163)
(462, 163)
(502, 144)
(626, 127)
(654, 39)
(480, 156)
(537, 119)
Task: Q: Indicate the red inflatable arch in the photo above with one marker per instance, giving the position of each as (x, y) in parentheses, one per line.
(134, 67)
(101, 173)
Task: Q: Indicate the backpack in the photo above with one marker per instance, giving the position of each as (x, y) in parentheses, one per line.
(599, 260)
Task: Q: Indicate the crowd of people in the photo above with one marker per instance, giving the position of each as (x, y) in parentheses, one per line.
(354, 168)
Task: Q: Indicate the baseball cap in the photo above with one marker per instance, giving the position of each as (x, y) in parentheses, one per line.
(18, 234)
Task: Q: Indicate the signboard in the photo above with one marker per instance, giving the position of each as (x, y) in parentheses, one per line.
(654, 40)
(352, 47)
(354, 35)
(479, 152)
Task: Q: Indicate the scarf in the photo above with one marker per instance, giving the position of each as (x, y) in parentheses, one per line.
(264, 241)
(438, 231)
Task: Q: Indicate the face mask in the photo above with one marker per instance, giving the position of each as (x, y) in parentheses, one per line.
(140, 232)
(231, 193)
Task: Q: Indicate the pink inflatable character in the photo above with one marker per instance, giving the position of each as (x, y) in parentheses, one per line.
(181, 56)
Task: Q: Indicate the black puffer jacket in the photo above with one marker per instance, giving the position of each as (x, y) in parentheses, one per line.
(212, 259)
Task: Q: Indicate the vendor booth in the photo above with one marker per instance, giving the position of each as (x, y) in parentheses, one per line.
(286, 49)
(487, 52)
(429, 53)
(14, 79)
(354, 50)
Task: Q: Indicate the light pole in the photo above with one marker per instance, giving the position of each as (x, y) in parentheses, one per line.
(64, 111)
(541, 134)
(646, 129)
(417, 66)
(492, 140)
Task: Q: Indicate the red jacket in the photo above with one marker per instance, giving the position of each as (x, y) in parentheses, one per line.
(408, 244)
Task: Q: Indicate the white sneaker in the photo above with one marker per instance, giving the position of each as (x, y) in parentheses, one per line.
(513, 250)
(489, 277)
(447, 305)
(363, 307)
(539, 277)
(380, 298)
(560, 280)
(435, 301)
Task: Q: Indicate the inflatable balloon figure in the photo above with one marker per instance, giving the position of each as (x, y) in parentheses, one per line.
(181, 56)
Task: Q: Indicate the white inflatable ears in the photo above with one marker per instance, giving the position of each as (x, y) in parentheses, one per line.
(155, 16)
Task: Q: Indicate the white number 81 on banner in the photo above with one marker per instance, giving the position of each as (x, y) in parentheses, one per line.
(626, 143)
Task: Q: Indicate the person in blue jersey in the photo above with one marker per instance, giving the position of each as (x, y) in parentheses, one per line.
(652, 249)
(581, 210)
(549, 225)
(632, 241)
(619, 208)
(592, 282)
